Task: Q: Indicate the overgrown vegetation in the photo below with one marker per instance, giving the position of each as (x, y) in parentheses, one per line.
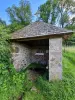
(20, 16)
(60, 90)
(16, 85)
(56, 90)
(59, 12)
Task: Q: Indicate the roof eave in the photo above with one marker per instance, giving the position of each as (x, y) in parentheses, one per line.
(42, 37)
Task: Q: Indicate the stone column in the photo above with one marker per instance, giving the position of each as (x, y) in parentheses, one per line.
(55, 59)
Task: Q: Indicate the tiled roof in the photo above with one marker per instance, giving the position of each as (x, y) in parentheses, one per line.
(39, 29)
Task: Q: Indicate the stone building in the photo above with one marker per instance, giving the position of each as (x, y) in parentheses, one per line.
(42, 43)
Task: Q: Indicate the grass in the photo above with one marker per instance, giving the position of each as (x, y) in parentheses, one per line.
(32, 95)
(57, 90)
(17, 86)
(69, 49)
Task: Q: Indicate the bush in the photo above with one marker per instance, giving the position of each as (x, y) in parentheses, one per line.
(11, 83)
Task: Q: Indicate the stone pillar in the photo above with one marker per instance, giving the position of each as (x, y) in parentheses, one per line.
(55, 59)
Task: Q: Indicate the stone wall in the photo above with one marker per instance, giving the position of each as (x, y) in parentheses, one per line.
(55, 59)
(21, 55)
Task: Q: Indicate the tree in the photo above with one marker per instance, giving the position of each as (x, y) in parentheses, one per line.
(66, 7)
(64, 20)
(71, 26)
(48, 11)
(73, 21)
(2, 25)
(2, 22)
(4, 45)
(57, 11)
(20, 15)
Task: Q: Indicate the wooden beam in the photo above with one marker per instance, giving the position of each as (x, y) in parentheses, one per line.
(41, 37)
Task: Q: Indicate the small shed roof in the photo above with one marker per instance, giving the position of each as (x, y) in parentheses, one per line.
(39, 29)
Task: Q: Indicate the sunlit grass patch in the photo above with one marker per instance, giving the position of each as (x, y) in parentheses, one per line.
(69, 48)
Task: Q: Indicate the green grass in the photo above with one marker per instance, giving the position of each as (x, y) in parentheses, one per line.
(69, 49)
(32, 95)
(57, 90)
(14, 85)
(69, 63)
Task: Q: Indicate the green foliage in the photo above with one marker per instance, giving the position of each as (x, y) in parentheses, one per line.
(32, 95)
(14, 27)
(56, 11)
(21, 14)
(57, 90)
(71, 27)
(60, 90)
(48, 11)
(70, 59)
(4, 46)
(73, 21)
(2, 22)
(66, 7)
(71, 41)
(11, 83)
(16, 85)
(64, 19)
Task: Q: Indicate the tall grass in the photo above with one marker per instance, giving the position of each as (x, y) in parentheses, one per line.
(60, 90)
(17, 86)
(56, 90)
(69, 48)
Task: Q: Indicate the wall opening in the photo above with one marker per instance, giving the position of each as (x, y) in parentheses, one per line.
(39, 55)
